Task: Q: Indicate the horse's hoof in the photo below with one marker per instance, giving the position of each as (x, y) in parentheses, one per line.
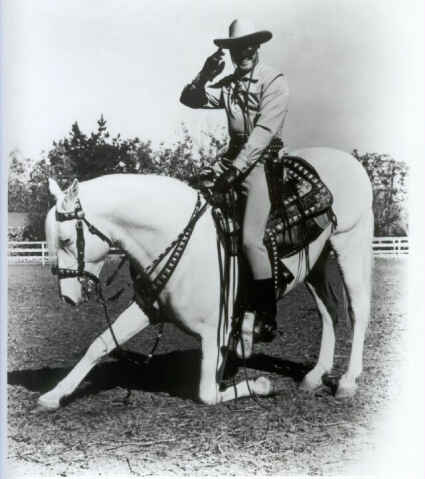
(309, 385)
(314, 380)
(345, 392)
(330, 382)
(346, 389)
(45, 404)
(263, 386)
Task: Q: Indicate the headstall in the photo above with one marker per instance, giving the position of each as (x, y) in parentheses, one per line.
(78, 215)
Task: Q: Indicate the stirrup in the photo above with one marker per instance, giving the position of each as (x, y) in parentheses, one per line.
(264, 327)
(255, 328)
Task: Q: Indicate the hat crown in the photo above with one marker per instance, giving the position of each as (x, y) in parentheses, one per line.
(243, 31)
(240, 28)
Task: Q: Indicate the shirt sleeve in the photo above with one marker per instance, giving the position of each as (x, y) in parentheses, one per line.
(196, 95)
(271, 117)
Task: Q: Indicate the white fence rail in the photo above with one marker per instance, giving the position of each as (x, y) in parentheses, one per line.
(391, 245)
(36, 251)
(27, 251)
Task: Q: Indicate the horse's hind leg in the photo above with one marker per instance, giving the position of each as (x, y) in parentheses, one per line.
(129, 323)
(211, 363)
(313, 379)
(354, 249)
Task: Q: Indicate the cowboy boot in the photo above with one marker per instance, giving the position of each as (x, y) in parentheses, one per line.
(265, 306)
(258, 323)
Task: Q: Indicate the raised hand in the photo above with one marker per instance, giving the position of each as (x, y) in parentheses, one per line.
(213, 65)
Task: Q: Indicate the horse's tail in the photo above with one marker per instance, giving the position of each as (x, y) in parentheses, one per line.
(328, 281)
(344, 296)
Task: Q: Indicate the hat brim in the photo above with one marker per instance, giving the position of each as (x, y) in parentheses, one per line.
(254, 38)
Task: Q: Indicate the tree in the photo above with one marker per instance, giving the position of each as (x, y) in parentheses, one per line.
(214, 143)
(19, 170)
(40, 201)
(388, 178)
(85, 157)
(183, 159)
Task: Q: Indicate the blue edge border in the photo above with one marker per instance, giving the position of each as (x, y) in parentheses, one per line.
(3, 264)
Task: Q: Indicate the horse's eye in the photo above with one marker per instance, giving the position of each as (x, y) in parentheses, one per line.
(63, 243)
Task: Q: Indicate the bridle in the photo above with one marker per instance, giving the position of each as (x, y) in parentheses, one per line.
(80, 273)
(150, 288)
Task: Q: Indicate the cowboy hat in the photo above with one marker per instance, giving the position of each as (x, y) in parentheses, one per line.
(242, 33)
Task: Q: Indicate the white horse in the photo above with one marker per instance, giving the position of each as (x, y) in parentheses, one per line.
(145, 213)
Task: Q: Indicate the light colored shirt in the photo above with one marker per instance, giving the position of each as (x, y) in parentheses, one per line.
(256, 105)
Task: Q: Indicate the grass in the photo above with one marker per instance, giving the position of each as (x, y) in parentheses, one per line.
(161, 428)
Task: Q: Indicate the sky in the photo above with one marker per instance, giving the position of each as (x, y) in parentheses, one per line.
(352, 66)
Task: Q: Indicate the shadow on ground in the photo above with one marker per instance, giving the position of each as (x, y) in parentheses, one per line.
(176, 373)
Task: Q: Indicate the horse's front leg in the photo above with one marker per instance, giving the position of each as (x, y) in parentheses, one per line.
(211, 363)
(130, 322)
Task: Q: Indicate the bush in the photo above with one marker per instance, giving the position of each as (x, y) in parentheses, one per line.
(388, 178)
(15, 233)
(86, 156)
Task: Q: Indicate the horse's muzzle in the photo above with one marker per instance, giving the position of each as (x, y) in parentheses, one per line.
(77, 290)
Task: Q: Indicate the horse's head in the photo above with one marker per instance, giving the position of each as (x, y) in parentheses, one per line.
(76, 247)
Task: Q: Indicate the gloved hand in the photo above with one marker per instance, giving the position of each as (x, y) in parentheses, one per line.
(221, 165)
(209, 174)
(205, 179)
(226, 180)
(216, 169)
(213, 66)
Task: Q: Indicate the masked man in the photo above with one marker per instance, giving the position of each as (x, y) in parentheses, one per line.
(255, 98)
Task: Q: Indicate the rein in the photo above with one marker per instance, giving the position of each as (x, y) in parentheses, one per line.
(153, 288)
(147, 289)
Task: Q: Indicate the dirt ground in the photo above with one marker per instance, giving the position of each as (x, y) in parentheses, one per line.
(137, 421)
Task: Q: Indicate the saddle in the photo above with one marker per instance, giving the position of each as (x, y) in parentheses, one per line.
(301, 204)
(301, 208)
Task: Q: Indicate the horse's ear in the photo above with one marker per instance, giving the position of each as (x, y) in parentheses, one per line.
(72, 191)
(54, 189)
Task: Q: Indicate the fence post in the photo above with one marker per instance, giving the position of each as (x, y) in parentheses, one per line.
(42, 253)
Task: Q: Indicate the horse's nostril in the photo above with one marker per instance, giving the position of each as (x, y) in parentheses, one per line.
(68, 300)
